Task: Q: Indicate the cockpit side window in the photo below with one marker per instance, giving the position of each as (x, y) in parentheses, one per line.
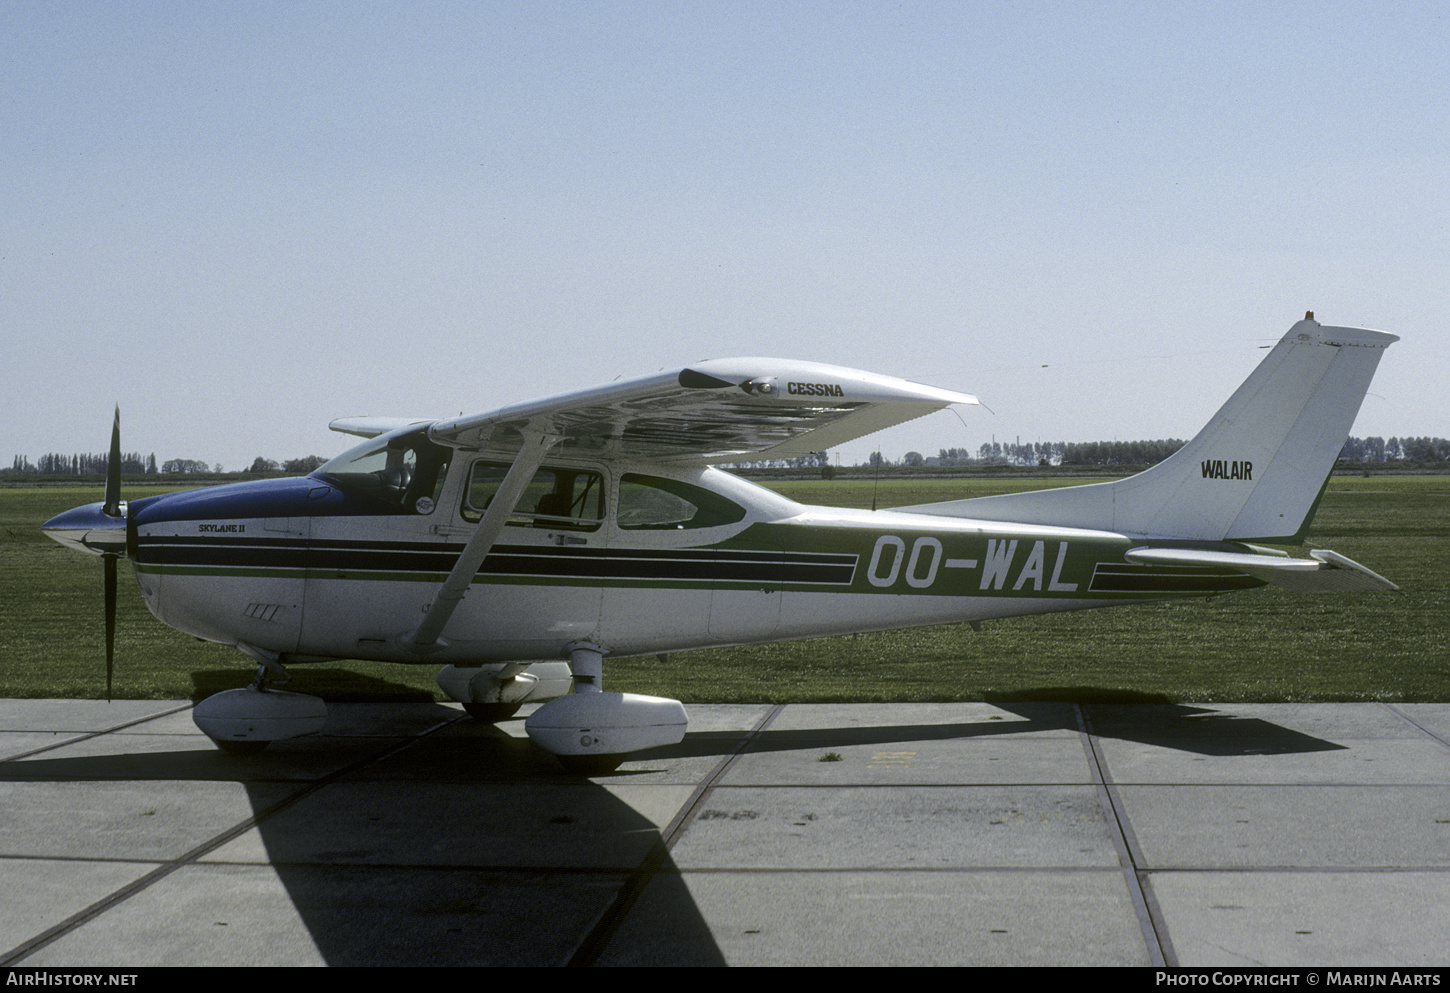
(405, 471)
(657, 504)
(555, 498)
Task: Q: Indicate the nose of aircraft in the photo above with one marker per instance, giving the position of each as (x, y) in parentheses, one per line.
(100, 529)
(90, 529)
(97, 528)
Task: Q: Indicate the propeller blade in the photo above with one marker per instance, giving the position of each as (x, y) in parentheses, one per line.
(112, 506)
(110, 619)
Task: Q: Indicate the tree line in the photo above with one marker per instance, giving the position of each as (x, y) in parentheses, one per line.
(87, 464)
(133, 464)
(812, 460)
(1057, 453)
(1039, 453)
(1377, 449)
(292, 467)
(1365, 450)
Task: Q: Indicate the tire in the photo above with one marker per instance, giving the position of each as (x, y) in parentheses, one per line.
(590, 765)
(491, 713)
(234, 746)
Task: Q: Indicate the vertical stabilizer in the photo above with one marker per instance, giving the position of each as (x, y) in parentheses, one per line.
(1254, 472)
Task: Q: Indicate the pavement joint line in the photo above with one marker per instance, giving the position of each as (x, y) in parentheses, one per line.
(119, 896)
(1154, 928)
(681, 821)
(1415, 724)
(599, 936)
(1303, 870)
(925, 870)
(86, 736)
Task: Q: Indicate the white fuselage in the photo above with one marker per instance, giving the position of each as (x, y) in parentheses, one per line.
(340, 585)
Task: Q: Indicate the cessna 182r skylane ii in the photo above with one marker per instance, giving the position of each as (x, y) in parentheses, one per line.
(595, 523)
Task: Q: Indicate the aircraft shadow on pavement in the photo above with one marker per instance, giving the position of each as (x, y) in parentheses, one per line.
(1197, 729)
(494, 857)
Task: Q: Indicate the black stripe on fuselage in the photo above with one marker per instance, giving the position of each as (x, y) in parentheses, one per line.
(699, 564)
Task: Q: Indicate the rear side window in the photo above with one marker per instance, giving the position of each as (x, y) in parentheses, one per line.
(555, 497)
(657, 504)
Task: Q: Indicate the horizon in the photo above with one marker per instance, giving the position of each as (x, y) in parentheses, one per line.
(888, 461)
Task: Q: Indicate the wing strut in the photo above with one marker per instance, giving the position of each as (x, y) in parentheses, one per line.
(426, 638)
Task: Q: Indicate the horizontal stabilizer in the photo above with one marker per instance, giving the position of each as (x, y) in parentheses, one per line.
(1324, 572)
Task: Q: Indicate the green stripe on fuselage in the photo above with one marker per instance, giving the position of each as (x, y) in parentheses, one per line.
(1003, 564)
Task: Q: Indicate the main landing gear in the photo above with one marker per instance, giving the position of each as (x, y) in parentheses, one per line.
(591, 732)
(247, 720)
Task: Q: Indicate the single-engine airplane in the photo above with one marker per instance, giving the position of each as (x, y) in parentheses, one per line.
(519, 547)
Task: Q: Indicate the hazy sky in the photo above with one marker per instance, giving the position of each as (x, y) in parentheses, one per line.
(241, 220)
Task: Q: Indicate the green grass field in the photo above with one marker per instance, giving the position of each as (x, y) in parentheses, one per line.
(1260, 645)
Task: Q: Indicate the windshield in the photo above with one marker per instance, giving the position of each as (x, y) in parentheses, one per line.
(403, 469)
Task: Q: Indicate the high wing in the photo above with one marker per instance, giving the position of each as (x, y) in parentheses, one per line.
(724, 410)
